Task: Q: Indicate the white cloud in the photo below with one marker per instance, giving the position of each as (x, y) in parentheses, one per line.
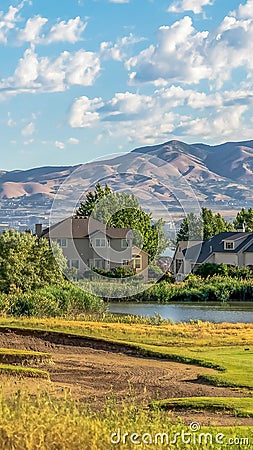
(116, 51)
(245, 11)
(73, 141)
(178, 57)
(84, 112)
(69, 31)
(119, 1)
(8, 21)
(64, 31)
(34, 74)
(195, 6)
(59, 144)
(171, 111)
(28, 130)
(33, 27)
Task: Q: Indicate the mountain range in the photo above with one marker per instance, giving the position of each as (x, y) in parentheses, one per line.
(218, 175)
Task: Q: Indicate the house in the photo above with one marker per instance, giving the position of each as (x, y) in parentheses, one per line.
(228, 247)
(87, 243)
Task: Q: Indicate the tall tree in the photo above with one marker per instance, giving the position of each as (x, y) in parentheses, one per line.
(244, 218)
(203, 227)
(122, 210)
(26, 263)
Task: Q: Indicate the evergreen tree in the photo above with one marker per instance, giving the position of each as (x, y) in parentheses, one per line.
(244, 218)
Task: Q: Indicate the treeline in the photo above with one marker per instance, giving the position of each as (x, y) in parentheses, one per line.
(209, 224)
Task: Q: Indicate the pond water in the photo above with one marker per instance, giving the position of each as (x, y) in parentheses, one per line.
(235, 313)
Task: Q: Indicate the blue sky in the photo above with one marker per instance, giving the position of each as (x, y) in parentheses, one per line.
(82, 79)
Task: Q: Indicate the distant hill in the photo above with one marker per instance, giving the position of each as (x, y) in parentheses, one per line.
(221, 174)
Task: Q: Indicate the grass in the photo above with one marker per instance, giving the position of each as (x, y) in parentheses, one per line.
(23, 357)
(218, 346)
(21, 371)
(241, 407)
(43, 422)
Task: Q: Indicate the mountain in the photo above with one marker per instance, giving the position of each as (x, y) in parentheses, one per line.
(218, 175)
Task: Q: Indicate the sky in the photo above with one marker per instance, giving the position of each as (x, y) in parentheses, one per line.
(82, 79)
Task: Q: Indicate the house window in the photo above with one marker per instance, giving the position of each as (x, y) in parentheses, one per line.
(100, 242)
(125, 262)
(229, 245)
(62, 242)
(124, 243)
(179, 265)
(73, 263)
(99, 263)
(137, 261)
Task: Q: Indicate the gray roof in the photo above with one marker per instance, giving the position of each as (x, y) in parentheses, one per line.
(81, 227)
(199, 253)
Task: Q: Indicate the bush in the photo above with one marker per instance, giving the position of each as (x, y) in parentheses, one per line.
(53, 301)
(116, 272)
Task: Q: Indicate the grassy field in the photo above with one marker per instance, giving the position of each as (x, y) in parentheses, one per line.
(44, 423)
(228, 348)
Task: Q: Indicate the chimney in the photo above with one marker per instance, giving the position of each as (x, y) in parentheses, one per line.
(38, 229)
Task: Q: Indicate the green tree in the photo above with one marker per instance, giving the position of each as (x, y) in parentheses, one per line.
(27, 264)
(244, 218)
(86, 207)
(204, 227)
(122, 210)
(191, 228)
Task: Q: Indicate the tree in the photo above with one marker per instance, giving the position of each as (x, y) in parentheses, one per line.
(122, 210)
(27, 264)
(244, 218)
(203, 227)
(191, 228)
(92, 198)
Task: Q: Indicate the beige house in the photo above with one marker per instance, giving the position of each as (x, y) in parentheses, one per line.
(87, 243)
(229, 247)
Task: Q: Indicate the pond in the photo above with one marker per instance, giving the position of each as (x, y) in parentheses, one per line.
(231, 313)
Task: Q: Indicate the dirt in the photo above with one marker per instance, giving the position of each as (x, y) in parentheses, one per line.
(92, 373)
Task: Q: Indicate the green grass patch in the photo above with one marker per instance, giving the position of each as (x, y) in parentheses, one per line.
(241, 407)
(21, 371)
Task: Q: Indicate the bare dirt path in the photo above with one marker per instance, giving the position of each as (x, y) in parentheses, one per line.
(93, 373)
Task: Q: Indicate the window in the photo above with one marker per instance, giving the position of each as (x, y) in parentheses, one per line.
(99, 263)
(125, 262)
(73, 263)
(124, 243)
(100, 242)
(179, 265)
(62, 242)
(229, 245)
(137, 261)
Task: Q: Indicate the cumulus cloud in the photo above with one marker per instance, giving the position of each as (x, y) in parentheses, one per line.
(34, 74)
(195, 6)
(117, 51)
(69, 31)
(84, 112)
(8, 21)
(64, 31)
(170, 111)
(178, 56)
(32, 30)
(28, 130)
